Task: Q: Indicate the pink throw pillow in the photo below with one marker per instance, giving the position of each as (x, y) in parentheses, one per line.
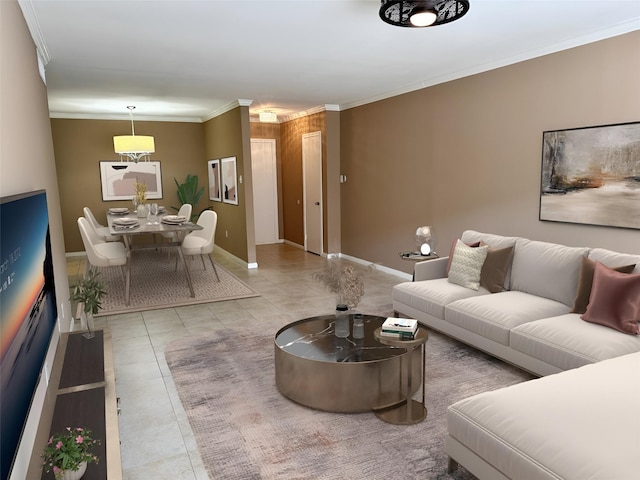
(615, 300)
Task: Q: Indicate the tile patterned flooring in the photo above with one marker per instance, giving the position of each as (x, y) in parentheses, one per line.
(156, 439)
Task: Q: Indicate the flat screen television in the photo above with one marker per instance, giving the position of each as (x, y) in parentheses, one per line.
(29, 312)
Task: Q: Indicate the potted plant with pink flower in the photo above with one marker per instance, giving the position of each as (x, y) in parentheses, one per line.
(68, 453)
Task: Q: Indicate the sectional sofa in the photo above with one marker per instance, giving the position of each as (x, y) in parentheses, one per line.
(547, 308)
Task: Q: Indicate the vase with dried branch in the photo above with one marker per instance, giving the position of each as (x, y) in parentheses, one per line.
(346, 282)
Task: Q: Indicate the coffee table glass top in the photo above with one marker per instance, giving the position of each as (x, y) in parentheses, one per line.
(314, 339)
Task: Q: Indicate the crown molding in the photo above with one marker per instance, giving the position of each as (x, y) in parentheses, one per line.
(305, 113)
(29, 14)
(241, 102)
(118, 116)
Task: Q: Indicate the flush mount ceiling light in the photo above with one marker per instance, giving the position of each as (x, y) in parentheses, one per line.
(133, 146)
(268, 117)
(422, 13)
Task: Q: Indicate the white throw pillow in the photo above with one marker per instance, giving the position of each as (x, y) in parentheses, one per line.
(466, 265)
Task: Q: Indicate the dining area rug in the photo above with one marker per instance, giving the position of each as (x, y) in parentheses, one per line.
(245, 428)
(155, 283)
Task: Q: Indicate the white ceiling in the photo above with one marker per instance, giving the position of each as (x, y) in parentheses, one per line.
(189, 60)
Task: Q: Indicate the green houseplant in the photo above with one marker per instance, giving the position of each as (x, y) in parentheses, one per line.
(89, 291)
(68, 453)
(188, 192)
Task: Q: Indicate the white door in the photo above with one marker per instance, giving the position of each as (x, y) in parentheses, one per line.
(312, 181)
(265, 190)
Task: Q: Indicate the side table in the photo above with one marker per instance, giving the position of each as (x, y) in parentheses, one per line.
(409, 411)
(417, 257)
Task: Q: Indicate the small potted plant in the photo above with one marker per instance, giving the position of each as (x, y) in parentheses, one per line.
(89, 291)
(68, 453)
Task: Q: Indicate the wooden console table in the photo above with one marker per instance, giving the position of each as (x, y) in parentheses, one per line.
(85, 397)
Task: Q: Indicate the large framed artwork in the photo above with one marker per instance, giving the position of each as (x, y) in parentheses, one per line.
(118, 179)
(592, 175)
(214, 180)
(229, 180)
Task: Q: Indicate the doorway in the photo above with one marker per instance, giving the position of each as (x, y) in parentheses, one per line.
(265, 190)
(312, 185)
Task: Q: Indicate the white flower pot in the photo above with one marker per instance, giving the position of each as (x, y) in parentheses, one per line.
(74, 475)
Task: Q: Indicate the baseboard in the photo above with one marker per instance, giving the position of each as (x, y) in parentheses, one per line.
(382, 268)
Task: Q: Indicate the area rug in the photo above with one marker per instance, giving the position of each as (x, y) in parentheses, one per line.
(246, 429)
(156, 284)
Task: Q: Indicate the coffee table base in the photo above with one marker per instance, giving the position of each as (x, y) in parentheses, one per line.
(400, 415)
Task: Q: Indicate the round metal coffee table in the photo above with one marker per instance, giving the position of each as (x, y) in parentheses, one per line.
(319, 370)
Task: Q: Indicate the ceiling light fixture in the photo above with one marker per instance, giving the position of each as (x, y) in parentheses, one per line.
(133, 146)
(422, 13)
(268, 117)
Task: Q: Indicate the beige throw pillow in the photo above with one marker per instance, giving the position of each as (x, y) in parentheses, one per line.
(466, 265)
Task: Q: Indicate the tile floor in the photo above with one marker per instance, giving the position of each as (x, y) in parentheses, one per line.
(156, 439)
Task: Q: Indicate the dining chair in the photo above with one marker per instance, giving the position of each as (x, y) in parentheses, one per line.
(101, 230)
(101, 253)
(185, 211)
(201, 242)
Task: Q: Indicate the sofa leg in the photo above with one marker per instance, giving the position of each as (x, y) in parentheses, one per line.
(453, 466)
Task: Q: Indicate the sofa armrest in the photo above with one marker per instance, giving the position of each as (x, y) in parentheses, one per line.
(430, 269)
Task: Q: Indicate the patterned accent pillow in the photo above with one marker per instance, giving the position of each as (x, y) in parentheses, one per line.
(466, 265)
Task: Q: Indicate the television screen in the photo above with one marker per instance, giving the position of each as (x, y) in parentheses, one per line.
(28, 309)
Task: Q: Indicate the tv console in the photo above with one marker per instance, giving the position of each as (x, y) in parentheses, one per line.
(82, 394)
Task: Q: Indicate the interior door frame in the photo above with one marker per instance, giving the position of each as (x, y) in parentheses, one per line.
(274, 179)
(305, 189)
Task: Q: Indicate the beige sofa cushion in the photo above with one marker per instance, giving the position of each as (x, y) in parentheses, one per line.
(568, 342)
(547, 269)
(574, 425)
(431, 296)
(493, 316)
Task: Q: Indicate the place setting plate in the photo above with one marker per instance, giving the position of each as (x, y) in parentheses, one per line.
(174, 219)
(125, 222)
(119, 211)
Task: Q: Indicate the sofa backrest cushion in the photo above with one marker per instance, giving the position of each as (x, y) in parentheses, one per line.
(494, 242)
(547, 269)
(614, 259)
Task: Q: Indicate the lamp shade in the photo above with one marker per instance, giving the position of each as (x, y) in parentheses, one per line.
(124, 144)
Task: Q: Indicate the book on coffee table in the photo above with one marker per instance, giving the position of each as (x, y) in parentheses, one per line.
(398, 336)
(400, 325)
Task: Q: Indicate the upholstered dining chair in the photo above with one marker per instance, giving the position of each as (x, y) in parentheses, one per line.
(185, 211)
(99, 252)
(201, 242)
(101, 230)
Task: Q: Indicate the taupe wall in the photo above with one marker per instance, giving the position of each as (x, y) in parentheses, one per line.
(224, 138)
(80, 145)
(467, 153)
(26, 164)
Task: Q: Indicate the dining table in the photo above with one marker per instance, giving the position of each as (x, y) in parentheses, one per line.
(130, 226)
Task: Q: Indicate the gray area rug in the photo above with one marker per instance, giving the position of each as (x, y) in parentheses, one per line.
(156, 284)
(246, 429)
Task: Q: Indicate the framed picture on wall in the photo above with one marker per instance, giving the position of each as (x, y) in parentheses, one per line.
(229, 180)
(214, 180)
(118, 179)
(592, 175)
